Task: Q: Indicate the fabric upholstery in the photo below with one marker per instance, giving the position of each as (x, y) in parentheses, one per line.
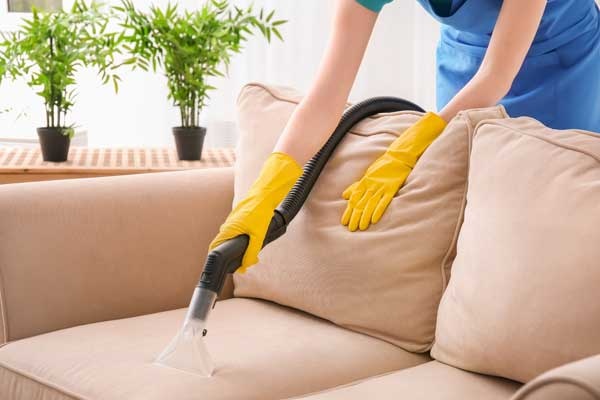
(261, 350)
(523, 297)
(579, 380)
(430, 381)
(386, 281)
(81, 251)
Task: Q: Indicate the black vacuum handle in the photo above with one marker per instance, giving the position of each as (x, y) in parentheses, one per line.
(231, 253)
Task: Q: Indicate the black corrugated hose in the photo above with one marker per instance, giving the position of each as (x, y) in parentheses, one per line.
(227, 257)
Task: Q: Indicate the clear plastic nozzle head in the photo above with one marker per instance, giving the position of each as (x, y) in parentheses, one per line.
(187, 351)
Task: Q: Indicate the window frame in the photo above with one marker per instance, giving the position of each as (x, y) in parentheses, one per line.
(10, 21)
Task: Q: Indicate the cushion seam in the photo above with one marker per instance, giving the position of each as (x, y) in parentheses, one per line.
(43, 382)
(544, 382)
(353, 383)
(543, 139)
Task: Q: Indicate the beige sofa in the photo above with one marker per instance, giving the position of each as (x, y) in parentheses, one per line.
(480, 281)
(94, 276)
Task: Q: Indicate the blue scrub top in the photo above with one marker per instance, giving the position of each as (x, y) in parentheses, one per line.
(559, 82)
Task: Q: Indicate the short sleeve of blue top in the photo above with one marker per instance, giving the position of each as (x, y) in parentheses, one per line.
(559, 82)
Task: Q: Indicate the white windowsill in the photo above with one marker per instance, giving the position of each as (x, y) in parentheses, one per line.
(10, 22)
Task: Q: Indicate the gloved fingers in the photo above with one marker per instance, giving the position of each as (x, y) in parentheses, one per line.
(371, 204)
(357, 194)
(358, 210)
(354, 220)
(219, 239)
(347, 214)
(383, 204)
(228, 230)
(348, 192)
(352, 202)
(251, 255)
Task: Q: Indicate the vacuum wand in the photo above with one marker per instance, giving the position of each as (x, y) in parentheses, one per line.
(187, 350)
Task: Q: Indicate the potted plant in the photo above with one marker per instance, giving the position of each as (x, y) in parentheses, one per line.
(47, 50)
(190, 47)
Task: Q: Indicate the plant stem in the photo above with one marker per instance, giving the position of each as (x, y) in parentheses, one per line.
(192, 110)
(198, 112)
(51, 82)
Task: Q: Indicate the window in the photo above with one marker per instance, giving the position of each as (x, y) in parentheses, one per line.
(13, 11)
(25, 5)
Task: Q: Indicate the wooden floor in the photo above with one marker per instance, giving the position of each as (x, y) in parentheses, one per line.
(25, 164)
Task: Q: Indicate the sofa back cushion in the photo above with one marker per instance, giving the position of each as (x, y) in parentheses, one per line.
(386, 281)
(523, 297)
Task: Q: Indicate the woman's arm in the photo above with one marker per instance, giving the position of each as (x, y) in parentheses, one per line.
(320, 111)
(307, 130)
(513, 35)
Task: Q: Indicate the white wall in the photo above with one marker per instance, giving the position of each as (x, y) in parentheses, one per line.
(400, 61)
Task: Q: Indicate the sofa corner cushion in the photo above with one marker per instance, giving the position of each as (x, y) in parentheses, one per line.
(523, 297)
(261, 351)
(386, 281)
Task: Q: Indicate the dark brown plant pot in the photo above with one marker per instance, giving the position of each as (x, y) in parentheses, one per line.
(189, 142)
(55, 143)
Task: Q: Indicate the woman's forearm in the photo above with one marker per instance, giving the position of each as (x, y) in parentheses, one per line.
(321, 109)
(513, 35)
(309, 127)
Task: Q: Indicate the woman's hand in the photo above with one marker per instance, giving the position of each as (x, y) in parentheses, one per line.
(252, 215)
(369, 197)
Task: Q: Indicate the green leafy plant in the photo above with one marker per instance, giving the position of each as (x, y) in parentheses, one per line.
(49, 48)
(191, 46)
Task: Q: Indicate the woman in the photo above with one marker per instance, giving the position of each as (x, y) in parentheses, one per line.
(539, 58)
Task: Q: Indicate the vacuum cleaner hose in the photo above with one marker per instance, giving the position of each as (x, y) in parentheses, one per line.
(227, 257)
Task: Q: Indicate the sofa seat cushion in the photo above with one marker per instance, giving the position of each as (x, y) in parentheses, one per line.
(261, 351)
(430, 381)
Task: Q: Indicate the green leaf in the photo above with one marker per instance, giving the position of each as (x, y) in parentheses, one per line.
(270, 16)
(115, 81)
(278, 34)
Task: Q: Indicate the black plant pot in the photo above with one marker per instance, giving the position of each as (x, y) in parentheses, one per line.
(55, 143)
(189, 141)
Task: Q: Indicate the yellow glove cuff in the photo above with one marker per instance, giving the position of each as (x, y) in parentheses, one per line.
(415, 140)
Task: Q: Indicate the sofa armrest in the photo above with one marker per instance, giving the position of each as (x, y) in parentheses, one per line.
(579, 380)
(81, 251)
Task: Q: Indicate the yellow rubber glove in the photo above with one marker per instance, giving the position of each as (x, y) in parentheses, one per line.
(252, 215)
(371, 195)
